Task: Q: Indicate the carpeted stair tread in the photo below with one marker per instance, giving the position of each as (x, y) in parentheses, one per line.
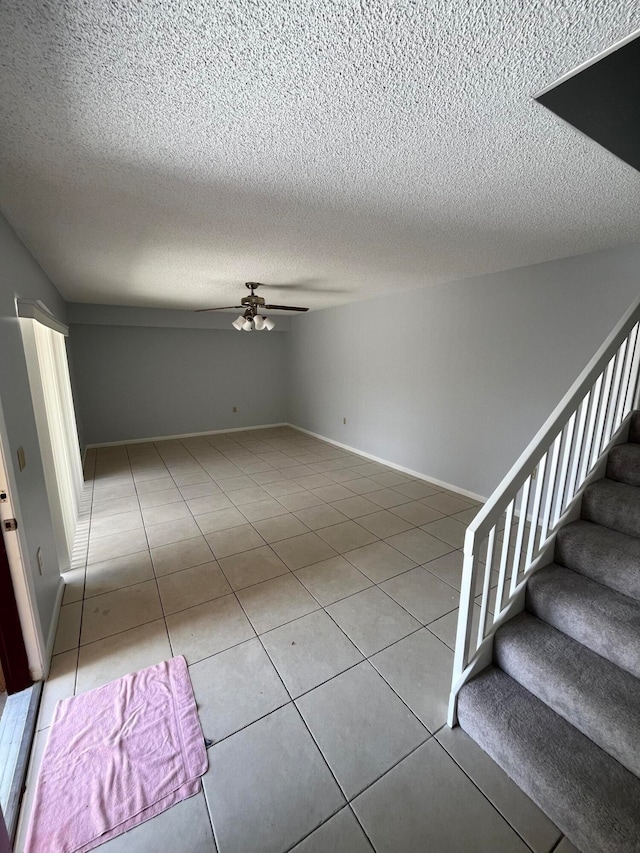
(594, 695)
(605, 621)
(623, 464)
(612, 504)
(634, 427)
(606, 556)
(591, 797)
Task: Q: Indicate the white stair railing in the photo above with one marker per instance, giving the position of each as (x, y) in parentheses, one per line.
(512, 534)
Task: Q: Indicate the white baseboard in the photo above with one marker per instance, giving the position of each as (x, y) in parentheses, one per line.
(53, 629)
(182, 435)
(417, 474)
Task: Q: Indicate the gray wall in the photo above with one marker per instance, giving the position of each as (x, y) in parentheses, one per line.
(120, 315)
(153, 380)
(20, 276)
(453, 381)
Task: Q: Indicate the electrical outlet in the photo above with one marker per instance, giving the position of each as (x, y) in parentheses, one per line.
(40, 560)
(235, 410)
(344, 420)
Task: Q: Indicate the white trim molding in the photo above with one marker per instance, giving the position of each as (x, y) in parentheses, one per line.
(53, 628)
(34, 309)
(417, 474)
(50, 387)
(180, 436)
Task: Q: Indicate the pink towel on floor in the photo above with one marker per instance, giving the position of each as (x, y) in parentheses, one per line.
(115, 757)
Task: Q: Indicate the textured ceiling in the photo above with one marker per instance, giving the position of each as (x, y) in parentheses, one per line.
(161, 153)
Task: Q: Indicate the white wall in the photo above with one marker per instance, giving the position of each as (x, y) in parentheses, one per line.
(453, 381)
(153, 374)
(20, 276)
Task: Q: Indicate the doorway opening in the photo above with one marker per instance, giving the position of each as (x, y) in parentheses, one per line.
(24, 654)
(18, 695)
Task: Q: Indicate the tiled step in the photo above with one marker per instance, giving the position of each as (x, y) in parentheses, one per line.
(597, 697)
(605, 621)
(604, 555)
(623, 464)
(612, 504)
(591, 797)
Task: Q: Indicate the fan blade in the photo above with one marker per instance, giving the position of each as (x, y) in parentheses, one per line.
(225, 308)
(283, 308)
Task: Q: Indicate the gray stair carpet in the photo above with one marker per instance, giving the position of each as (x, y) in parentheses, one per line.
(623, 464)
(597, 697)
(589, 795)
(634, 428)
(603, 620)
(613, 504)
(604, 555)
(560, 709)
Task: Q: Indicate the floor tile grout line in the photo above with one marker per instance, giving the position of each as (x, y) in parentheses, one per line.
(293, 698)
(208, 810)
(155, 577)
(391, 687)
(361, 825)
(320, 606)
(250, 586)
(258, 583)
(367, 658)
(349, 640)
(349, 800)
(304, 489)
(287, 693)
(346, 806)
(393, 766)
(482, 793)
(379, 651)
(422, 624)
(253, 522)
(84, 585)
(290, 622)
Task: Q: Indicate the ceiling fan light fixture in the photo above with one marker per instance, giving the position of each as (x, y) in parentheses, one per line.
(251, 305)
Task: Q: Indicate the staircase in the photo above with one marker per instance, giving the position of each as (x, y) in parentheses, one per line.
(559, 709)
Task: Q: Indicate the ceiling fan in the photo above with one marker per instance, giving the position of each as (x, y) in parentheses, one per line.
(251, 319)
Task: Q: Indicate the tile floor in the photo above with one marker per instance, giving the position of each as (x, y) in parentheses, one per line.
(313, 594)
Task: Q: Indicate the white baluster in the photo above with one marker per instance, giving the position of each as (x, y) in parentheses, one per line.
(486, 586)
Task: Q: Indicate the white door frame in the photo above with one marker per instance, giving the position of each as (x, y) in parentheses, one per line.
(48, 369)
(17, 553)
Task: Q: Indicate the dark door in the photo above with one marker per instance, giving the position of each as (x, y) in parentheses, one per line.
(13, 655)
